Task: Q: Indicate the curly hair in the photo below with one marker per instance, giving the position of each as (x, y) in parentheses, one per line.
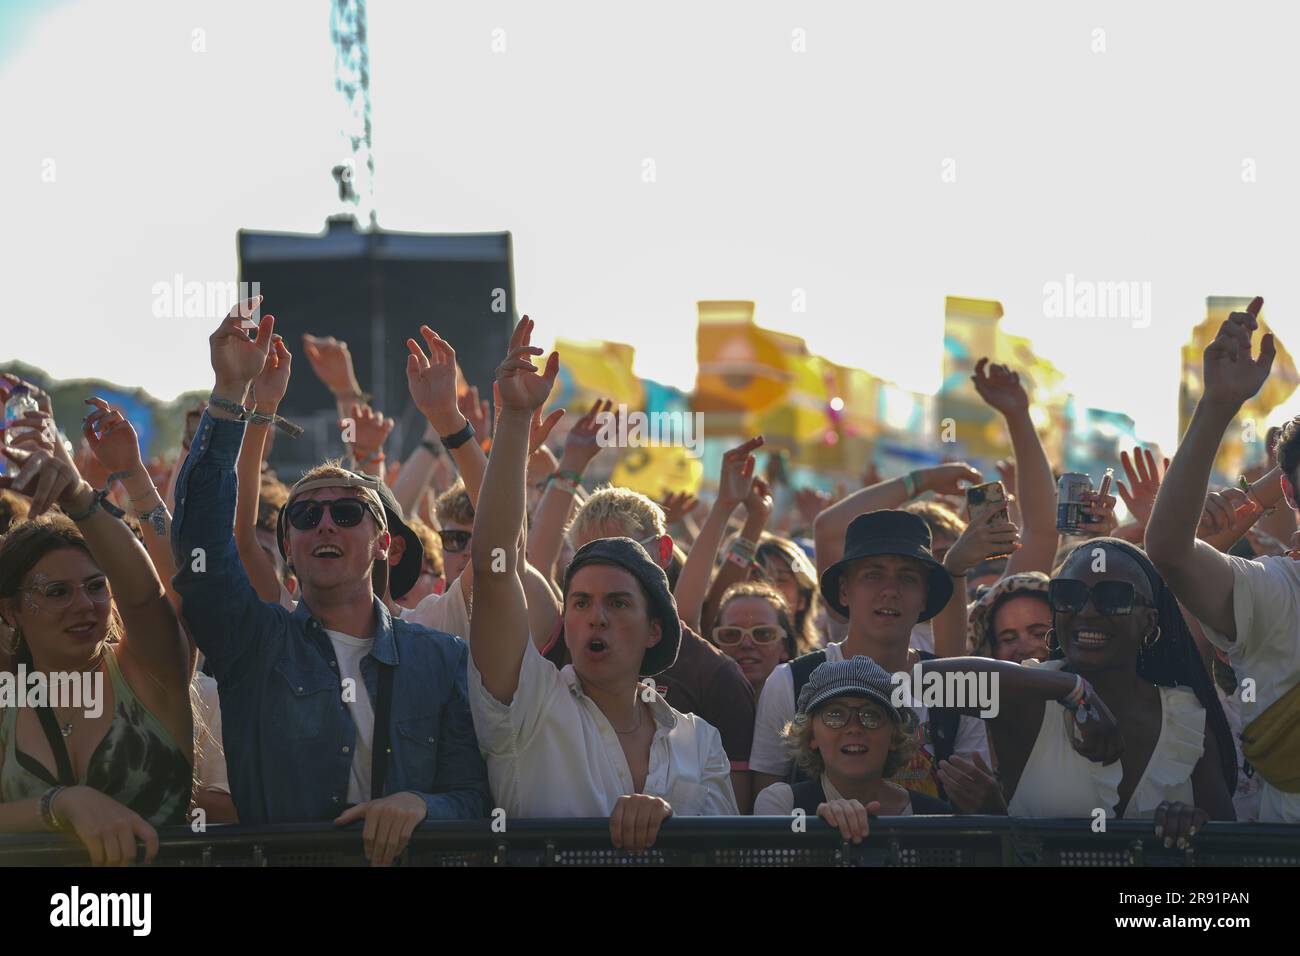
(797, 737)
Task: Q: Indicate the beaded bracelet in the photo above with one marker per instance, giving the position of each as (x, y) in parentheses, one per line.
(47, 809)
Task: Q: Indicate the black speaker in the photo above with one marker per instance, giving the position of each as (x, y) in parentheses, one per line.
(373, 290)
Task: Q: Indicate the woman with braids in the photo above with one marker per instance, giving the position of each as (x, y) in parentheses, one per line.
(1118, 627)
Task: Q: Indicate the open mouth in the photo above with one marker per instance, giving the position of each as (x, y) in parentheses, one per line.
(747, 661)
(597, 646)
(853, 750)
(81, 629)
(327, 551)
(887, 612)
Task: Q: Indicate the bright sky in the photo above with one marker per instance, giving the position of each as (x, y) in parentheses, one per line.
(776, 170)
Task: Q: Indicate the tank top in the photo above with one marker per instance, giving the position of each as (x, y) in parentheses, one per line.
(1059, 782)
(137, 763)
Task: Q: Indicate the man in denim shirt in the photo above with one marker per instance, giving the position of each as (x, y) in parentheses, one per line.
(302, 692)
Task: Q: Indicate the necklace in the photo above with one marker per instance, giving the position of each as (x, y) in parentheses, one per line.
(624, 733)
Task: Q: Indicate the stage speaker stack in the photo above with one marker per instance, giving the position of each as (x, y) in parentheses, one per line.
(373, 290)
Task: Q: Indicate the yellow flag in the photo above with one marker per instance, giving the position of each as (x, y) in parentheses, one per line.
(591, 370)
(742, 368)
(657, 469)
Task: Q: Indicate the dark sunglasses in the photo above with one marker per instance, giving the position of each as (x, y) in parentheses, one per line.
(1067, 596)
(306, 513)
(454, 542)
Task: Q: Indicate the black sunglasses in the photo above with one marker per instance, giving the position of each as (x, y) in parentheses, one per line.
(1067, 596)
(306, 513)
(454, 541)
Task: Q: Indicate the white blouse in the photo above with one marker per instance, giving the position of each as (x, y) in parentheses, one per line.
(1059, 782)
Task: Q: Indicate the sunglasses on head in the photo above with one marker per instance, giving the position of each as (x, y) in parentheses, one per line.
(305, 513)
(454, 542)
(1068, 596)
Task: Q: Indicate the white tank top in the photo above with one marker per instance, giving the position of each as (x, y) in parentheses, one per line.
(1059, 782)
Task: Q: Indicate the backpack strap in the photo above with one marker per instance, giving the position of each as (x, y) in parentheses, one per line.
(808, 796)
(945, 722)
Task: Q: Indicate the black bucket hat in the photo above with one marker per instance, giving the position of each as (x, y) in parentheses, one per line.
(889, 532)
(631, 557)
(400, 578)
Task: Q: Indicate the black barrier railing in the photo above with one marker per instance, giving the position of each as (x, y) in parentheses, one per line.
(709, 841)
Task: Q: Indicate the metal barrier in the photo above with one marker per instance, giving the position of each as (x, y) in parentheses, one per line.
(709, 841)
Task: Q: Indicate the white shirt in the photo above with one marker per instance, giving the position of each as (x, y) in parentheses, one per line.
(922, 638)
(778, 800)
(209, 757)
(551, 752)
(446, 612)
(1266, 610)
(776, 708)
(356, 698)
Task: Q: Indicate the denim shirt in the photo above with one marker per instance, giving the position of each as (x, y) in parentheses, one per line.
(288, 736)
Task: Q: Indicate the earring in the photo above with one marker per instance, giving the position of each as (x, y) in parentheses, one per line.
(1052, 645)
(1152, 639)
(17, 642)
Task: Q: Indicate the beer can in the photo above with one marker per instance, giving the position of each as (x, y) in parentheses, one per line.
(1070, 488)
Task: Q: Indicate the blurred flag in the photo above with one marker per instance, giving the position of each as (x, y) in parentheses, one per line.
(591, 370)
(658, 469)
(1246, 436)
(741, 367)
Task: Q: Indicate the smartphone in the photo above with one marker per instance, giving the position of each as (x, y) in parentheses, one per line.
(987, 503)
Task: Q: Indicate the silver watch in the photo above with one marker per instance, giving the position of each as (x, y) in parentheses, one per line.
(157, 518)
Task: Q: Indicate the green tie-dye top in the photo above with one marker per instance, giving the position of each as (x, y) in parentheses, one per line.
(137, 763)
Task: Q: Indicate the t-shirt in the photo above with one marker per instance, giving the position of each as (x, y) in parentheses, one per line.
(776, 707)
(447, 612)
(356, 698)
(705, 682)
(1266, 611)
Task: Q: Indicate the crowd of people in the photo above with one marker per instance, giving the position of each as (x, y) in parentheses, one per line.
(474, 631)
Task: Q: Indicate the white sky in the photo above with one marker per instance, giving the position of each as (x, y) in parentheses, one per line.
(776, 170)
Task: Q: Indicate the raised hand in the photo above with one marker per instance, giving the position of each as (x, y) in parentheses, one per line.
(981, 540)
(237, 359)
(273, 381)
(42, 397)
(477, 412)
(759, 500)
(332, 363)
(539, 429)
(810, 503)
(521, 385)
(736, 480)
(950, 479)
(1000, 388)
(431, 380)
(1220, 512)
(581, 445)
(678, 505)
(111, 438)
(370, 430)
(1231, 376)
(45, 478)
(1139, 496)
(34, 430)
(1007, 472)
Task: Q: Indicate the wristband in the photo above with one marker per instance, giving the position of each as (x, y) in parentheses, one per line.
(94, 506)
(573, 476)
(454, 441)
(47, 810)
(911, 484)
(566, 485)
(742, 552)
(286, 426)
(226, 405)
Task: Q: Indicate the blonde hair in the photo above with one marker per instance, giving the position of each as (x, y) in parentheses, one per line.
(454, 505)
(431, 542)
(636, 514)
(941, 520)
(797, 738)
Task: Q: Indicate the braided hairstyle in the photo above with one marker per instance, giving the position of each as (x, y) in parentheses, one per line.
(1173, 660)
